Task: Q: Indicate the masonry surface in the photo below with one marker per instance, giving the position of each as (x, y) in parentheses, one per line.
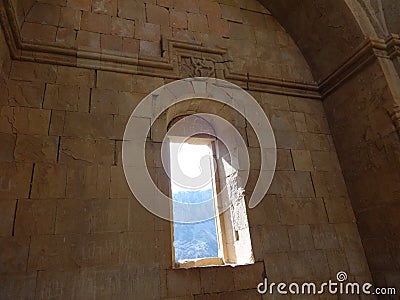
(69, 225)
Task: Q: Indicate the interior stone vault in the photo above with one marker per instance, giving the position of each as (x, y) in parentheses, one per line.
(326, 73)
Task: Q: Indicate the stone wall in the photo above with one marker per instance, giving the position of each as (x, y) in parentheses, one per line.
(368, 147)
(69, 225)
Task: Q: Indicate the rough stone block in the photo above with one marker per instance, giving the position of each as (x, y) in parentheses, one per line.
(325, 161)
(187, 5)
(308, 106)
(300, 237)
(111, 42)
(30, 71)
(133, 10)
(84, 125)
(157, 15)
(70, 18)
(308, 265)
(109, 215)
(31, 121)
(217, 279)
(339, 210)
(114, 81)
(248, 276)
(73, 216)
(22, 93)
(80, 4)
(147, 48)
(7, 212)
(293, 184)
(15, 180)
(35, 217)
(85, 150)
(273, 237)
(265, 213)
(86, 39)
(209, 8)
(289, 140)
(324, 236)
(66, 37)
(178, 19)
(147, 31)
(49, 181)
(122, 27)
(130, 47)
(197, 22)
(14, 254)
(36, 148)
(42, 13)
(140, 219)
(317, 124)
(296, 211)
(75, 76)
(66, 97)
(218, 26)
(18, 285)
(96, 23)
(300, 121)
(57, 123)
(119, 186)
(284, 160)
(108, 7)
(181, 282)
(139, 248)
(7, 142)
(302, 160)
(277, 266)
(39, 33)
(231, 13)
(85, 181)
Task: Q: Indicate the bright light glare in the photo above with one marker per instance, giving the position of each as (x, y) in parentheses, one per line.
(188, 161)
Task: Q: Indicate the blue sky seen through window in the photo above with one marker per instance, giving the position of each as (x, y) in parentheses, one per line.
(196, 240)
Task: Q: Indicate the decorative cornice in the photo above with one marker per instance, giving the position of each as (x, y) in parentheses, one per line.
(183, 59)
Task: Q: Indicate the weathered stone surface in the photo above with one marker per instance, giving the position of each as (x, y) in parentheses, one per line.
(183, 282)
(15, 180)
(122, 27)
(67, 98)
(75, 76)
(85, 150)
(33, 72)
(302, 211)
(292, 184)
(86, 125)
(107, 7)
(31, 121)
(44, 14)
(300, 237)
(49, 181)
(7, 142)
(133, 10)
(18, 285)
(29, 94)
(35, 217)
(96, 23)
(302, 160)
(14, 254)
(88, 181)
(7, 212)
(70, 18)
(36, 148)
